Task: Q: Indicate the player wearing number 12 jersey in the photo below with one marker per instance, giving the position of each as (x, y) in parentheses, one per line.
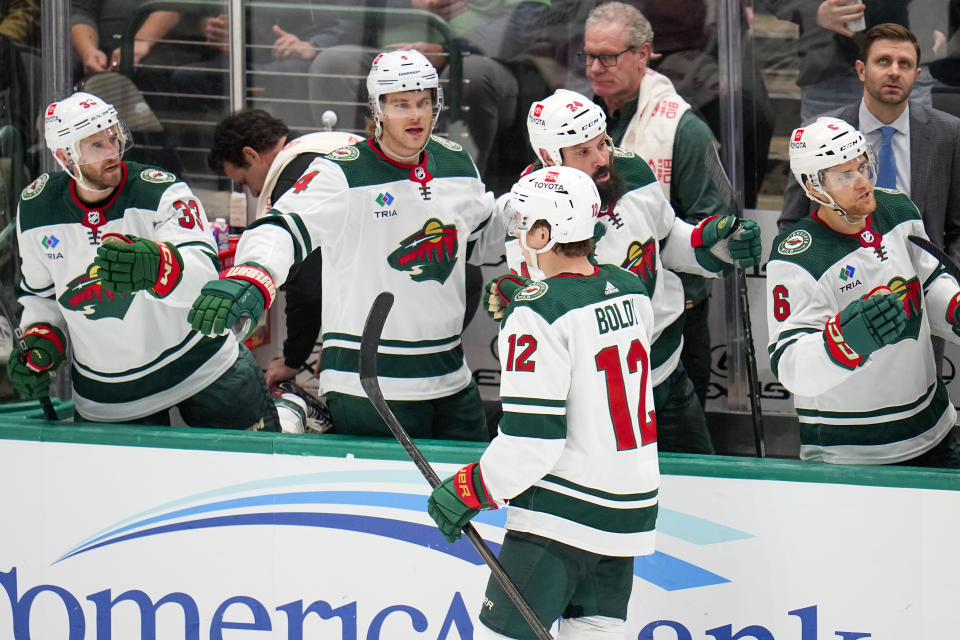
(576, 455)
(123, 306)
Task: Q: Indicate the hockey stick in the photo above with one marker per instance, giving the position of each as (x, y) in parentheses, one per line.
(48, 411)
(369, 343)
(949, 265)
(720, 180)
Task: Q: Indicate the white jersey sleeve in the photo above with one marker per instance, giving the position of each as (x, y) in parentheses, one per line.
(38, 291)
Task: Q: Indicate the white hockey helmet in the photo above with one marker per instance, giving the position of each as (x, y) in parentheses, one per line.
(75, 118)
(562, 120)
(565, 197)
(396, 71)
(821, 145)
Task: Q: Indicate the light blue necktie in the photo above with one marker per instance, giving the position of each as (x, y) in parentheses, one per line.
(887, 171)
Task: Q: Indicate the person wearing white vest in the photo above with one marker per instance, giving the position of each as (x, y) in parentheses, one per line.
(258, 151)
(645, 115)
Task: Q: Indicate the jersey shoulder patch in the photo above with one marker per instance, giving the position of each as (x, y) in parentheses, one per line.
(634, 171)
(532, 291)
(796, 242)
(623, 153)
(344, 154)
(157, 176)
(449, 144)
(33, 189)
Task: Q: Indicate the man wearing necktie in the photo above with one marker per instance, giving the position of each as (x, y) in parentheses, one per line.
(917, 148)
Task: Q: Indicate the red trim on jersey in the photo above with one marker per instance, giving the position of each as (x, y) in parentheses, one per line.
(596, 270)
(402, 165)
(116, 194)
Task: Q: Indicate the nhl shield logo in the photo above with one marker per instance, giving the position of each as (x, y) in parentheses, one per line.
(428, 254)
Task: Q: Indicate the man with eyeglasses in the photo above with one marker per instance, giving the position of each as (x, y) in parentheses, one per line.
(647, 116)
(850, 309)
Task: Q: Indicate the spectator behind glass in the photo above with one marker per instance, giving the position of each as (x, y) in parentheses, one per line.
(647, 116)
(97, 27)
(827, 49)
(274, 53)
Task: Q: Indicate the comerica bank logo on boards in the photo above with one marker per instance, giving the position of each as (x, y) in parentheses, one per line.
(372, 501)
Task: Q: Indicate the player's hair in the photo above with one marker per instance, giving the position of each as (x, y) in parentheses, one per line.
(639, 31)
(578, 249)
(887, 31)
(254, 128)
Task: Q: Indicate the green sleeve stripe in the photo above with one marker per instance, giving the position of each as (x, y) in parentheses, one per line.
(167, 376)
(470, 245)
(543, 402)
(46, 292)
(542, 500)
(280, 220)
(533, 425)
(775, 357)
(348, 337)
(481, 226)
(667, 342)
(392, 365)
(933, 276)
(876, 413)
(618, 497)
(875, 433)
(304, 233)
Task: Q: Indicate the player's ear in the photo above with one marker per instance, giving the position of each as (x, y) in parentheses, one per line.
(249, 156)
(817, 192)
(545, 158)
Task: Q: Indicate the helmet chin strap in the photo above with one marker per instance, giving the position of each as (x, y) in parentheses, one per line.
(535, 271)
(77, 175)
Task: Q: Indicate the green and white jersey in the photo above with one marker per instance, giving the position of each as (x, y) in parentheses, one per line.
(385, 226)
(643, 235)
(134, 354)
(891, 406)
(576, 455)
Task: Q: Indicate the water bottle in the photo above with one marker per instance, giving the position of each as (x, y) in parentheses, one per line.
(221, 233)
(856, 25)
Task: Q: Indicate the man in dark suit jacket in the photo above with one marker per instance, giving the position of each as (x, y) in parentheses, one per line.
(928, 158)
(925, 141)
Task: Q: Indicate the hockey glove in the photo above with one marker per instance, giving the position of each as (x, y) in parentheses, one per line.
(244, 290)
(129, 263)
(498, 293)
(719, 241)
(29, 370)
(863, 327)
(457, 499)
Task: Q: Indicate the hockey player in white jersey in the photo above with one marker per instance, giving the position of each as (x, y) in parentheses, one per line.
(642, 234)
(576, 455)
(851, 304)
(401, 211)
(112, 255)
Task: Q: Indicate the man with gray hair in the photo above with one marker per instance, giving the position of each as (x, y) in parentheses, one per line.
(645, 115)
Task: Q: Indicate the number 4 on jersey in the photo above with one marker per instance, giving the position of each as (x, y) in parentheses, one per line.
(608, 362)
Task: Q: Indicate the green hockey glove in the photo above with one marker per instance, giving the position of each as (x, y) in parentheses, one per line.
(130, 263)
(243, 291)
(720, 241)
(863, 327)
(457, 500)
(29, 369)
(498, 293)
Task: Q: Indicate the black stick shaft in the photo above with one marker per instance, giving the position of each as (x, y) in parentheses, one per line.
(369, 343)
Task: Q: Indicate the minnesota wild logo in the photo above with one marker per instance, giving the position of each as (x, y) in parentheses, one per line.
(428, 254)
(911, 294)
(85, 294)
(642, 261)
